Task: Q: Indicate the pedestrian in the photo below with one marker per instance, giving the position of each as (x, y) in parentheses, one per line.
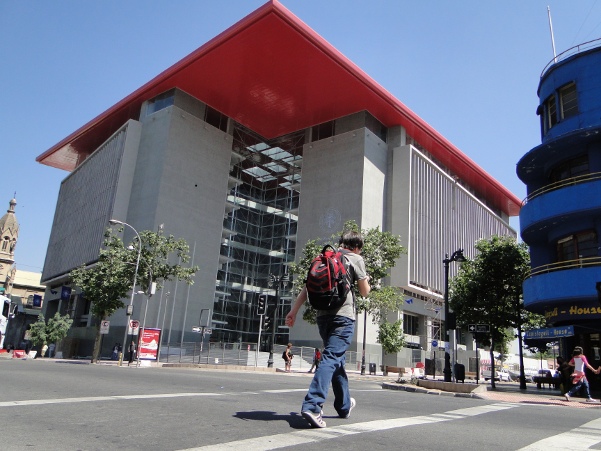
(579, 362)
(132, 352)
(115, 355)
(336, 328)
(564, 370)
(287, 355)
(316, 360)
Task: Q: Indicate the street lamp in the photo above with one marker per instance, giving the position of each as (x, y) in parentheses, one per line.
(151, 290)
(456, 256)
(276, 283)
(129, 309)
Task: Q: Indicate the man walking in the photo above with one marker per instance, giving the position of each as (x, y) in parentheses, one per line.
(336, 328)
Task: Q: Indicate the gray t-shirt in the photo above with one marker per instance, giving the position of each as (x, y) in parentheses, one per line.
(357, 272)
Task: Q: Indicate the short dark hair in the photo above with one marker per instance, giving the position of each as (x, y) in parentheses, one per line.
(577, 350)
(351, 240)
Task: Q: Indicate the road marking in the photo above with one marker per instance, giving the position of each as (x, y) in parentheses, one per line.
(37, 402)
(317, 435)
(582, 437)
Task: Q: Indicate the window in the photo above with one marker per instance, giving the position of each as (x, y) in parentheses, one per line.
(571, 168)
(323, 131)
(579, 245)
(159, 102)
(550, 113)
(371, 123)
(568, 101)
(410, 324)
(216, 119)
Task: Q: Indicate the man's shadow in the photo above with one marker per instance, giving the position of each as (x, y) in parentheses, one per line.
(294, 419)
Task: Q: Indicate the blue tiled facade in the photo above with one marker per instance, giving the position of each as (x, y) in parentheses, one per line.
(561, 217)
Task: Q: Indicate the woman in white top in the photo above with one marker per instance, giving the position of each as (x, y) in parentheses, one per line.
(579, 361)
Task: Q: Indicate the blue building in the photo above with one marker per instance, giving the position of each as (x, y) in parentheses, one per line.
(561, 217)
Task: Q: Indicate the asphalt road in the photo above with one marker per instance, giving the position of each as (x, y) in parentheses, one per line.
(49, 405)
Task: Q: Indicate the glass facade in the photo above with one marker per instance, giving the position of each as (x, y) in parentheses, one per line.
(259, 231)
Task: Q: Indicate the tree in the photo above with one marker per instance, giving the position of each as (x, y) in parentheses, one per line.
(380, 252)
(37, 332)
(57, 327)
(53, 331)
(488, 290)
(107, 281)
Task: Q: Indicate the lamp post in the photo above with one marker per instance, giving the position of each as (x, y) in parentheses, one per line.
(151, 290)
(456, 256)
(129, 309)
(364, 336)
(276, 283)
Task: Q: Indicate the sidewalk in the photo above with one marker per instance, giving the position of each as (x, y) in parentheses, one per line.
(507, 392)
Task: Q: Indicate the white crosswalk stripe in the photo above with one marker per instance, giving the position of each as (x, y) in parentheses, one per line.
(317, 435)
(577, 439)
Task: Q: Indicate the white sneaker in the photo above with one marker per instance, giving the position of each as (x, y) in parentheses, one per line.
(314, 419)
(591, 400)
(353, 404)
(567, 397)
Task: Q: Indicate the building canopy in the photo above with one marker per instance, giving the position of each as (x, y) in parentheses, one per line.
(275, 75)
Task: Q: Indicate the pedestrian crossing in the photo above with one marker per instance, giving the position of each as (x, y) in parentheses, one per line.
(582, 438)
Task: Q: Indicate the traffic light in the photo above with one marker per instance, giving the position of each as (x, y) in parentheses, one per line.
(266, 323)
(261, 306)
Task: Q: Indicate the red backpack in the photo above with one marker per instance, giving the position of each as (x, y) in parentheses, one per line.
(328, 281)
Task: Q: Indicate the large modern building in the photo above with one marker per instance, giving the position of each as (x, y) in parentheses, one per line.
(561, 219)
(261, 139)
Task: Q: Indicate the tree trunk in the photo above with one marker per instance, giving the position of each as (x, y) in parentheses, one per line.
(97, 342)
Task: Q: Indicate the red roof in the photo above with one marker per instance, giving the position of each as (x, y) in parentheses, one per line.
(275, 75)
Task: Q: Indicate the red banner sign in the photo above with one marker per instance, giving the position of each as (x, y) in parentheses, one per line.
(149, 344)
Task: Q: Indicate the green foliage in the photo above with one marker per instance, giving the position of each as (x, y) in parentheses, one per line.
(108, 281)
(37, 331)
(57, 327)
(53, 331)
(380, 252)
(488, 290)
(390, 336)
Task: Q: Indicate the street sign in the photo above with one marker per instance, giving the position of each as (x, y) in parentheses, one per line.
(134, 327)
(197, 329)
(435, 343)
(208, 331)
(104, 327)
(479, 328)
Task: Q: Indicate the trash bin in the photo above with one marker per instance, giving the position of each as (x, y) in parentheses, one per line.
(459, 372)
(372, 368)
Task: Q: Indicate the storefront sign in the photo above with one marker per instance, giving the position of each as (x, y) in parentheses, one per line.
(551, 332)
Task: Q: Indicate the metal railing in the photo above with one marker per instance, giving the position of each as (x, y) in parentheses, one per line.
(562, 184)
(568, 264)
(572, 51)
(245, 354)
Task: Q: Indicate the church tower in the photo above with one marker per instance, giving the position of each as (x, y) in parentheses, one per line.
(9, 233)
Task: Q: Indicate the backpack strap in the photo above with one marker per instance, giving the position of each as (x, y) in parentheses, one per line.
(351, 277)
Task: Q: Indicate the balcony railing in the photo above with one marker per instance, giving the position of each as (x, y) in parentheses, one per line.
(562, 184)
(572, 51)
(567, 264)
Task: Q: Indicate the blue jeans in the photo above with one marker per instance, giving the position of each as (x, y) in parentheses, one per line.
(582, 383)
(336, 333)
